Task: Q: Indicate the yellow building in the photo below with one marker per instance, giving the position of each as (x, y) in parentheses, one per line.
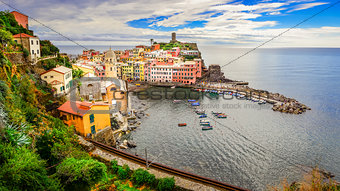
(127, 71)
(86, 69)
(88, 118)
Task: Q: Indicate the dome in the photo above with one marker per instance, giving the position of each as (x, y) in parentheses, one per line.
(110, 55)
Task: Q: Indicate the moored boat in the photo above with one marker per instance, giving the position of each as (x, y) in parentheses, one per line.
(203, 116)
(177, 101)
(182, 124)
(262, 102)
(204, 121)
(207, 128)
(195, 104)
(191, 100)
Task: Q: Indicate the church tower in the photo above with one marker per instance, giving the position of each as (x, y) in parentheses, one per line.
(110, 61)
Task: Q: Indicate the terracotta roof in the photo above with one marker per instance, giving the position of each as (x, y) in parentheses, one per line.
(22, 35)
(59, 69)
(77, 107)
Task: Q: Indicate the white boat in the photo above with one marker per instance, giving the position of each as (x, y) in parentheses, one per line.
(204, 121)
(173, 87)
(262, 101)
(177, 101)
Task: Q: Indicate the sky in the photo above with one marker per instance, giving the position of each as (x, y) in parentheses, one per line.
(234, 23)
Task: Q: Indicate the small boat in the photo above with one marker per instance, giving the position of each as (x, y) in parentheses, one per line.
(204, 121)
(195, 104)
(203, 116)
(177, 101)
(173, 87)
(191, 100)
(262, 102)
(221, 116)
(215, 113)
(199, 111)
(207, 128)
(182, 124)
(205, 124)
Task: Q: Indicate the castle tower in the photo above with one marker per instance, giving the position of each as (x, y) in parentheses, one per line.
(173, 37)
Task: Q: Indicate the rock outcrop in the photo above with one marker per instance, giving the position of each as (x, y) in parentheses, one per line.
(106, 136)
(85, 144)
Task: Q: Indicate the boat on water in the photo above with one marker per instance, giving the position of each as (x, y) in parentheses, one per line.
(205, 124)
(204, 128)
(182, 124)
(254, 100)
(195, 104)
(203, 116)
(204, 121)
(199, 111)
(177, 101)
(173, 86)
(215, 113)
(221, 116)
(262, 102)
(191, 100)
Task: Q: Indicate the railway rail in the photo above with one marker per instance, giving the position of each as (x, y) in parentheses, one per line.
(167, 169)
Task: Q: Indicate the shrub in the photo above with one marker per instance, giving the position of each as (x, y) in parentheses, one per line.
(166, 184)
(79, 174)
(21, 169)
(26, 52)
(114, 166)
(141, 177)
(123, 172)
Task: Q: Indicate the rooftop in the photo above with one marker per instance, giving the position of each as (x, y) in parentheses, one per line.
(77, 107)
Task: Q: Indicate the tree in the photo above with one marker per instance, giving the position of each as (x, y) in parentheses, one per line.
(76, 174)
(166, 184)
(5, 36)
(141, 177)
(21, 169)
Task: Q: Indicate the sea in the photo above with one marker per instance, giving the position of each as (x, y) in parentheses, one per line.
(255, 147)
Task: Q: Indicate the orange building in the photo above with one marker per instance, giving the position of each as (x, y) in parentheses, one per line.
(88, 118)
(21, 19)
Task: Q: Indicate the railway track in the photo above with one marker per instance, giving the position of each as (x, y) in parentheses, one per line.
(167, 169)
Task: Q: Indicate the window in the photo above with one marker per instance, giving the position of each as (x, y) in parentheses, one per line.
(45, 77)
(32, 51)
(74, 117)
(93, 129)
(91, 118)
(37, 42)
(51, 76)
(32, 42)
(37, 51)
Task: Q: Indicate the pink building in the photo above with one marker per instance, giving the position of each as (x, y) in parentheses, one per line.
(161, 73)
(184, 73)
(175, 52)
(100, 71)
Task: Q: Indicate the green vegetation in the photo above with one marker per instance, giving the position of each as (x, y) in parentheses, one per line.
(168, 46)
(47, 48)
(77, 73)
(8, 22)
(52, 63)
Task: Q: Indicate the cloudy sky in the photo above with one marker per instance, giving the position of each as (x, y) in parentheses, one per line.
(232, 23)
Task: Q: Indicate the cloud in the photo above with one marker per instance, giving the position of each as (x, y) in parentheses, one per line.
(131, 22)
(306, 6)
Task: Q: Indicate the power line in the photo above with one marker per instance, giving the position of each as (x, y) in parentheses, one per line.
(67, 38)
(282, 33)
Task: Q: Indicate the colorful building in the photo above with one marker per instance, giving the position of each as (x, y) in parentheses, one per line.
(21, 19)
(60, 79)
(88, 118)
(31, 43)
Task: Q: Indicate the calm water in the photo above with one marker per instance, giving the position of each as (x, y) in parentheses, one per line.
(231, 152)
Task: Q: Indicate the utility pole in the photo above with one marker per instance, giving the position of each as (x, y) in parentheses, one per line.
(146, 159)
